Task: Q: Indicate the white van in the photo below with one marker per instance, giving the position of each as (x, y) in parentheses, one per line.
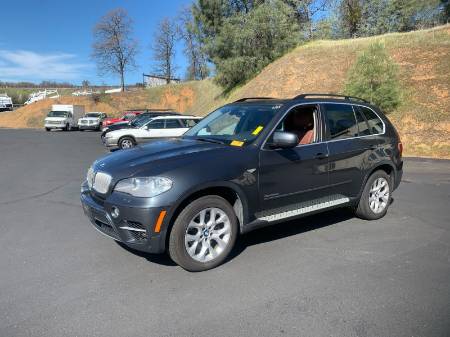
(64, 116)
(5, 102)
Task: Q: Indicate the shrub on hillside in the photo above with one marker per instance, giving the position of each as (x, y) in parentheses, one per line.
(374, 78)
(100, 98)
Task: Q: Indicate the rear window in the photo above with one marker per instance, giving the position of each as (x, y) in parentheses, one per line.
(375, 123)
(341, 121)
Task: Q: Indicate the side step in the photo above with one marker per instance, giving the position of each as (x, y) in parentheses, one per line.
(302, 208)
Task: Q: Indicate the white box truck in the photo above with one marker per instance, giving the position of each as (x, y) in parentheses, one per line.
(64, 116)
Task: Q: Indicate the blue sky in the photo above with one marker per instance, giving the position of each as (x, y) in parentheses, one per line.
(51, 40)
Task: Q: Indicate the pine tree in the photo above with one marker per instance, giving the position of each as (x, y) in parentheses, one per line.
(374, 77)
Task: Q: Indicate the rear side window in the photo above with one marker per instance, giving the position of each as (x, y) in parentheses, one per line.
(341, 121)
(173, 124)
(375, 123)
(363, 127)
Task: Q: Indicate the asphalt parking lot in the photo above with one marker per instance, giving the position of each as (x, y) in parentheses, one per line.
(326, 275)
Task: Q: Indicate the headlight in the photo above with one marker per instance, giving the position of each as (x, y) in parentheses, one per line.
(144, 187)
(90, 177)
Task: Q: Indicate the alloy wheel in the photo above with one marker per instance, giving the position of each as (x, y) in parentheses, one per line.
(126, 144)
(379, 195)
(208, 234)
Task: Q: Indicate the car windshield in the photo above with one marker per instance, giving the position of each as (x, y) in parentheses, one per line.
(93, 114)
(57, 114)
(140, 120)
(234, 124)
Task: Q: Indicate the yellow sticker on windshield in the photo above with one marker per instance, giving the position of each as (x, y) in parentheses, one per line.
(236, 143)
(257, 130)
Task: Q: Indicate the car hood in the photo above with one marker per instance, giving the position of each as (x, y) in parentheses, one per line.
(155, 157)
(119, 132)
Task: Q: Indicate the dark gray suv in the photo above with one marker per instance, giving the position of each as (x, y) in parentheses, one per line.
(251, 163)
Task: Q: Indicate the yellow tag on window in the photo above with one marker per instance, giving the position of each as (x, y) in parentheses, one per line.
(257, 130)
(236, 143)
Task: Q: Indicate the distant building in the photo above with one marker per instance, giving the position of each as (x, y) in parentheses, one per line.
(156, 80)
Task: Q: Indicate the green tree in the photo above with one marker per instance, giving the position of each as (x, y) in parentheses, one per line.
(385, 16)
(247, 42)
(374, 77)
(350, 16)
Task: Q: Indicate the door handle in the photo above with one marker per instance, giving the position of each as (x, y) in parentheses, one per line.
(321, 155)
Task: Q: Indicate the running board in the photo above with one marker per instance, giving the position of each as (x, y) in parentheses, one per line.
(302, 208)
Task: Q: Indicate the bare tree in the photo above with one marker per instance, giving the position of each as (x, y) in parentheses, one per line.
(163, 48)
(114, 49)
(198, 67)
(306, 10)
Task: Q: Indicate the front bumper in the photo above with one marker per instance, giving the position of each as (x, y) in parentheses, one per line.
(55, 126)
(109, 142)
(88, 126)
(134, 226)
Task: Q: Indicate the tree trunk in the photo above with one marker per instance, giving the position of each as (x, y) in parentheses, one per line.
(122, 80)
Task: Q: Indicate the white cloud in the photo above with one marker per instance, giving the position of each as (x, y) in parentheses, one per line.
(23, 65)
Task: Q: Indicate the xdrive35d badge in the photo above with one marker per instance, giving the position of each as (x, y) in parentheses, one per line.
(251, 163)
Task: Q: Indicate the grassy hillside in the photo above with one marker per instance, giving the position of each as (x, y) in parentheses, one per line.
(423, 57)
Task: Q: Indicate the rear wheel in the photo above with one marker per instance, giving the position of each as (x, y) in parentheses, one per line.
(126, 143)
(203, 234)
(376, 196)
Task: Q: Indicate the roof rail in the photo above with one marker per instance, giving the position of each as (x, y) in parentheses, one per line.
(251, 98)
(346, 97)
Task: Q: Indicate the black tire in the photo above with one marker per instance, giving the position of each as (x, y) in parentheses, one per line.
(81, 129)
(363, 210)
(177, 248)
(126, 140)
(67, 128)
(47, 129)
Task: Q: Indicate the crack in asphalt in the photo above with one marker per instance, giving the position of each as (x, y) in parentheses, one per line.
(35, 196)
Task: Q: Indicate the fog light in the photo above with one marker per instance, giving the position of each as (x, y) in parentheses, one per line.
(114, 212)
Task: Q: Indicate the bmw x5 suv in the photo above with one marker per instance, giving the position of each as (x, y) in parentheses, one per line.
(251, 163)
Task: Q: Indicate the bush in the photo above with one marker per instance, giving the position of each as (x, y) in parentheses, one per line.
(374, 78)
(100, 98)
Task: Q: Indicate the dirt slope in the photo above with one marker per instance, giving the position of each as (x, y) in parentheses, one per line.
(423, 58)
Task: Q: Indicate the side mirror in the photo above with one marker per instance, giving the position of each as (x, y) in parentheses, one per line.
(283, 140)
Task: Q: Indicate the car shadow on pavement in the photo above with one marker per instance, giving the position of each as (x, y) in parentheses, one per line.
(162, 259)
(289, 228)
(266, 234)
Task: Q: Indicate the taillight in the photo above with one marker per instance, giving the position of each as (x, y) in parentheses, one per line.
(400, 148)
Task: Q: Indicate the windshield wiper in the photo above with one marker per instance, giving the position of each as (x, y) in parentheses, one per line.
(210, 140)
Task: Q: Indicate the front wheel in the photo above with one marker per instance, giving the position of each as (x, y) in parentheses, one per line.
(376, 197)
(126, 143)
(203, 234)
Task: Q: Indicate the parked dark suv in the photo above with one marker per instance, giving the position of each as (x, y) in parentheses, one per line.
(248, 164)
